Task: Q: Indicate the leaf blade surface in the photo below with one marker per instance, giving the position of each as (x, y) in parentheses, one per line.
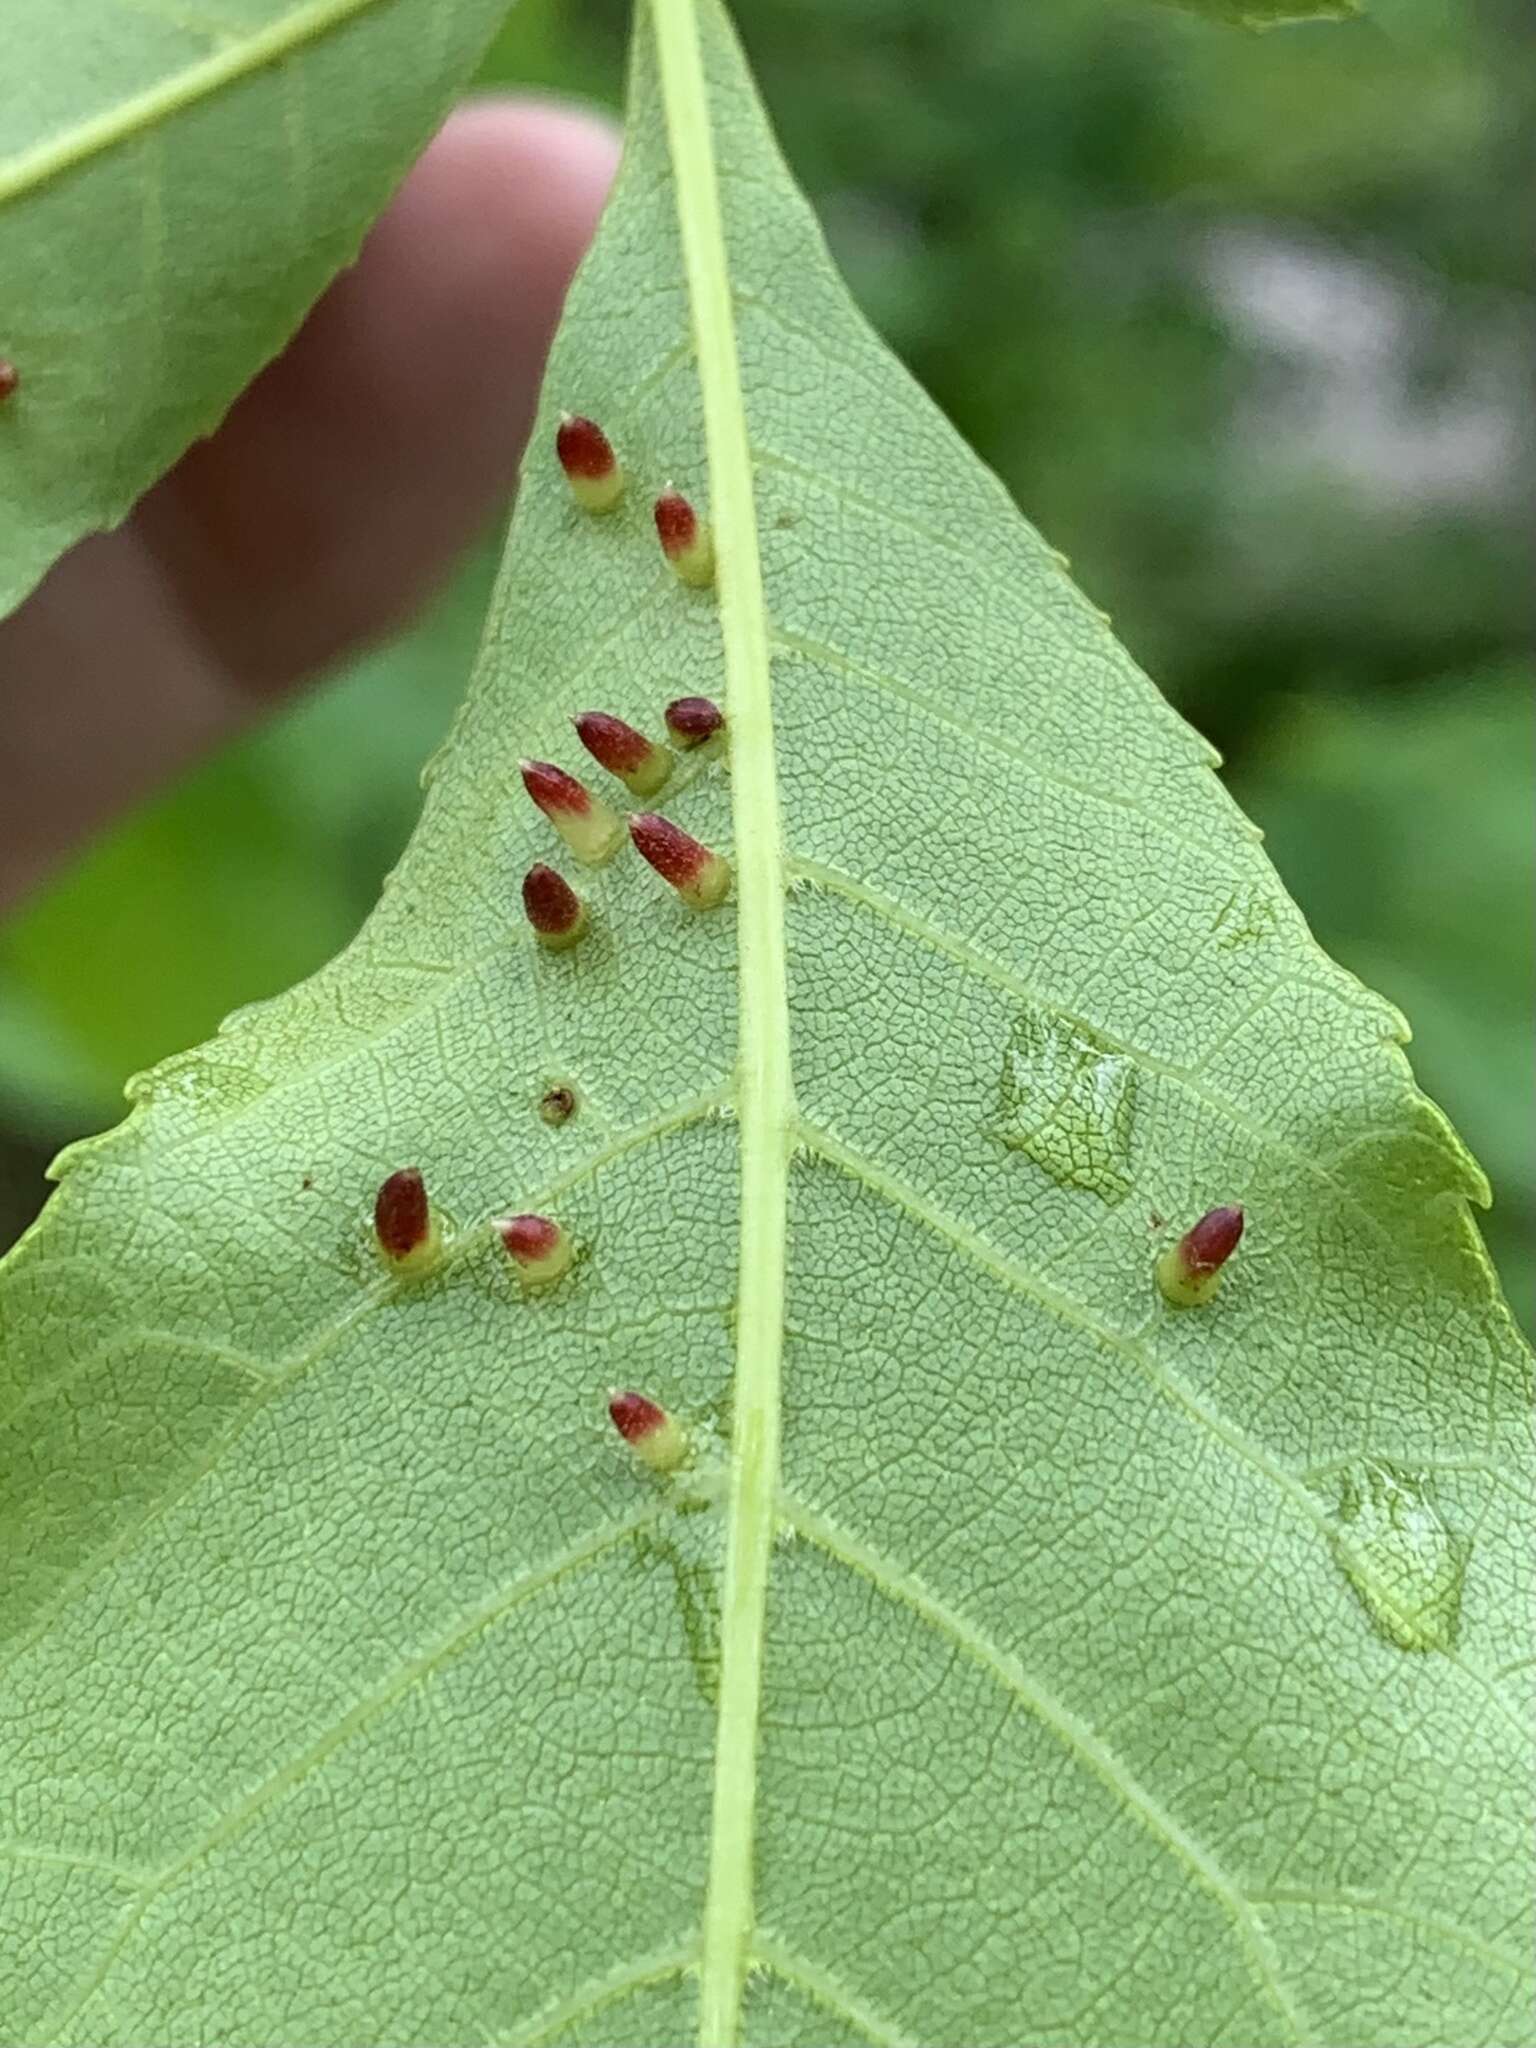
(343, 1625)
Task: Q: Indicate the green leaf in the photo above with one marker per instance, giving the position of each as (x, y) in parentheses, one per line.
(177, 183)
(1270, 13)
(1011, 1633)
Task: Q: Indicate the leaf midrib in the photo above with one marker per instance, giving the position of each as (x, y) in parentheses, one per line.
(174, 94)
(764, 1087)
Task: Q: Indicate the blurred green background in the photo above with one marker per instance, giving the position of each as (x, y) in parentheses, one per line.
(1242, 320)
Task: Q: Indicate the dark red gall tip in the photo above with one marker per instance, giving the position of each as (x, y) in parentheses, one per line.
(634, 1417)
(402, 1216)
(613, 744)
(584, 449)
(10, 377)
(677, 524)
(553, 908)
(691, 721)
(553, 790)
(1212, 1241)
(530, 1239)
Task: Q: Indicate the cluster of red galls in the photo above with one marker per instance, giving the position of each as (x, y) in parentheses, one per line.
(410, 1240)
(591, 828)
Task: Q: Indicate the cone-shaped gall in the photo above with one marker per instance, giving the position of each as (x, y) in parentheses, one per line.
(1189, 1272)
(652, 1434)
(591, 467)
(589, 828)
(693, 720)
(552, 907)
(685, 539)
(538, 1247)
(700, 877)
(406, 1231)
(639, 763)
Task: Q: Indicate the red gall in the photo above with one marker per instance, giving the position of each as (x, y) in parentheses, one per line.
(541, 1251)
(591, 467)
(651, 1433)
(700, 877)
(691, 721)
(552, 907)
(639, 763)
(685, 539)
(1189, 1272)
(589, 828)
(404, 1227)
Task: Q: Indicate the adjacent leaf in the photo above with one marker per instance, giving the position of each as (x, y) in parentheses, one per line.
(1270, 13)
(1020, 1658)
(177, 183)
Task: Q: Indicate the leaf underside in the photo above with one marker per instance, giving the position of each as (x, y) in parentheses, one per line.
(177, 183)
(1125, 1676)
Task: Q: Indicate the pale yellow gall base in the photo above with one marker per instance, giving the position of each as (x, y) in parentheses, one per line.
(598, 494)
(540, 1273)
(561, 942)
(711, 886)
(696, 565)
(652, 775)
(663, 1449)
(1179, 1288)
(592, 835)
(421, 1263)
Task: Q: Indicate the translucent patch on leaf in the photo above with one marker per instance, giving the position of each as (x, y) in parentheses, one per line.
(696, 1591)
(1247, 918)
(1404, 1564)
(1069, 1101)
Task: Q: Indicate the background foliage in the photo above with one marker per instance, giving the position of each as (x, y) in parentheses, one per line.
(1240, 320)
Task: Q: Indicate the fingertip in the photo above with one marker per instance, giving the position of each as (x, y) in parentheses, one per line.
(349, 477)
